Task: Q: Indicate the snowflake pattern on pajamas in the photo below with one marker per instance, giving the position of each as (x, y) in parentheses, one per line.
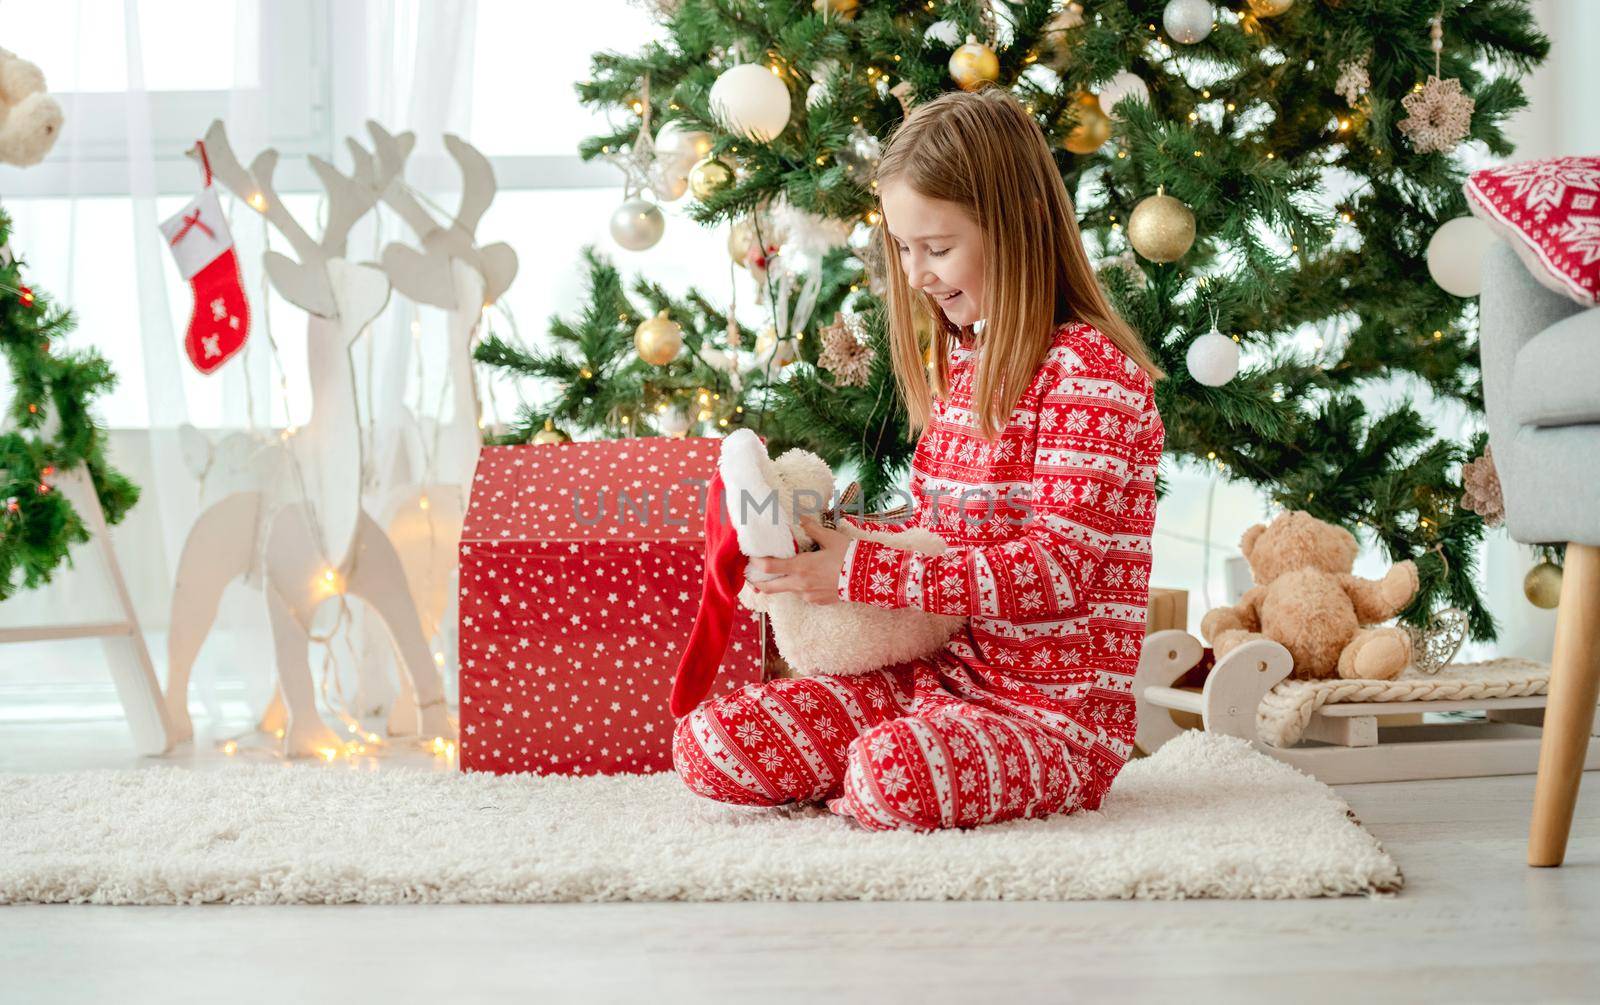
(1028, 713)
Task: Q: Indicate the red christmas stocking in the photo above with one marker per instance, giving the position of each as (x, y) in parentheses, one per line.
(203, 248)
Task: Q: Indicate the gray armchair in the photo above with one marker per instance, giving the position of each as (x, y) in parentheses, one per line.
(1541, 388)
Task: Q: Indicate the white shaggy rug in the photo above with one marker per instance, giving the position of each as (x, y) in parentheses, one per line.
(1206, 816)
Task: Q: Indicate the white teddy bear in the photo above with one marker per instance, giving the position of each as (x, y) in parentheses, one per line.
(30, 119)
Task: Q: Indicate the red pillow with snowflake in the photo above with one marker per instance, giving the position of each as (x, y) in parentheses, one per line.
(1549, 210)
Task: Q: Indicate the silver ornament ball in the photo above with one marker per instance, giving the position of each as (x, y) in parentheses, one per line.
(1188, 21)
(637, 224)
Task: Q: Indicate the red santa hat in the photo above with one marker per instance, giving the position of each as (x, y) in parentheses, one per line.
(724, 577)
(743, 455)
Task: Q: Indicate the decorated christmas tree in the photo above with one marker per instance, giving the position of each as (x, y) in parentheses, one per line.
(1260, 181)
(47, 429)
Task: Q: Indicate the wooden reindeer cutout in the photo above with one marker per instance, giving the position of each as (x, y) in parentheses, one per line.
(451, 271)
(305, 517)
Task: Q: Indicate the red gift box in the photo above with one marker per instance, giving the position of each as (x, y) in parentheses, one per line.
(581, 571)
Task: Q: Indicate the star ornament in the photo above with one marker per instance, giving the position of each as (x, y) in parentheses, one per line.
(843, 353)
(1439, 116)
(636, 162)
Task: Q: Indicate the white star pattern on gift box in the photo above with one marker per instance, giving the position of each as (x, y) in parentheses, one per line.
(597, 611)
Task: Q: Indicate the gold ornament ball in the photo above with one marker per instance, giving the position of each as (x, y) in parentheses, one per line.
(768, 347)
(1543, 585)
(708, 177)
(740, 238)
(1093, 128)
(1270, 8)
(973, 65)
(838, 8)
(550, 434)
(1161, 228)
(658, 340)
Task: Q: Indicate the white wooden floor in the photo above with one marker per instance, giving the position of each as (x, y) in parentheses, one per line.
(1474, 924)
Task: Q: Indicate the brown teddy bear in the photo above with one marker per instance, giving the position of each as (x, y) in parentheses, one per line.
(1306, 599)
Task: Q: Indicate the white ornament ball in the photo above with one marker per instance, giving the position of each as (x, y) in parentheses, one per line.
(822, 76)
(1213, 359)
(1455, 255)
(637, 224)
(673, 422)
(1123, 85)
(668, 182)
(946, 33)
(751, 101)
(1188, 21)
(681, 147)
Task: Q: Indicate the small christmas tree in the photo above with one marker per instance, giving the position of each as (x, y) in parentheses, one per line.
(48, 429)
(1262, 176)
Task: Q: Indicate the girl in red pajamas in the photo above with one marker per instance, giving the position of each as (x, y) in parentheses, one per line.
(1036, 464)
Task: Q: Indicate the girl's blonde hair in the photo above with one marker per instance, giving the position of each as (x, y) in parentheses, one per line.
(984, 152)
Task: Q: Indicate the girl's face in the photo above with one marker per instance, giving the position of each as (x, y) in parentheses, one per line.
(940, 249)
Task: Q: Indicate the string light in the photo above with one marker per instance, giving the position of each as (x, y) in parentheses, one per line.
(329, 583)
(258, 202)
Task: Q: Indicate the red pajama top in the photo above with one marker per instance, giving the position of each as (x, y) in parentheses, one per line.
(1049, 542)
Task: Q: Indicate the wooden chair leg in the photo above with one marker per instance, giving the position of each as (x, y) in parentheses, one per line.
(1569, 714)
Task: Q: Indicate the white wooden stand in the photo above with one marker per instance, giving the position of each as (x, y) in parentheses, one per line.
(126, 653)
(1343, 743)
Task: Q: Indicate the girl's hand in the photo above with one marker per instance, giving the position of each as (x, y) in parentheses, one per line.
(812, 574)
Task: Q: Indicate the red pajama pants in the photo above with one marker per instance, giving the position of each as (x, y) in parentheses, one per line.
(919, 746)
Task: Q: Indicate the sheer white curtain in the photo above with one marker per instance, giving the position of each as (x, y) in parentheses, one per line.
(140, 80)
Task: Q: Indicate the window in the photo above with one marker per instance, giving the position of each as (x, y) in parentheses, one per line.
(256, 62)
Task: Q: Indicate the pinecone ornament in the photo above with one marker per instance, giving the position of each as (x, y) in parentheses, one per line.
(1482, 484)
